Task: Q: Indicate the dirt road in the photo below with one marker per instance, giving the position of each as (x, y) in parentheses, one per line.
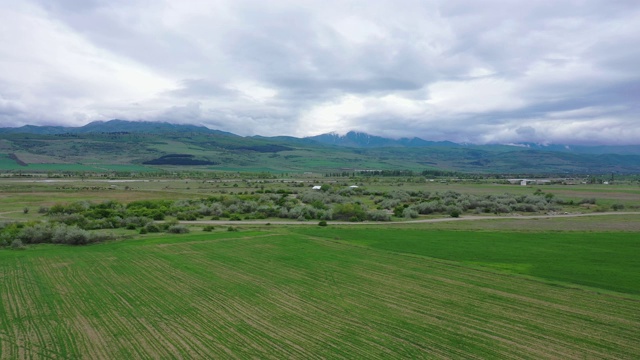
(444, 219)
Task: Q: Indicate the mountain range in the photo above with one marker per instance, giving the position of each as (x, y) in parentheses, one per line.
(102, 144)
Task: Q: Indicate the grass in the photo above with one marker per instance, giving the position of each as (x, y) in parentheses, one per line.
(599, 260)
(507, 288)
(7, 163)
(604, 223)
(281, 294)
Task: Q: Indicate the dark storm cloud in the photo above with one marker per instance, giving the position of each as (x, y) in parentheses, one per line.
(489, 71)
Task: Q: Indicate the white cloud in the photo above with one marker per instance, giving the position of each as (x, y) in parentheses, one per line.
(332, 116)
(442, 70)
(49, 68)
(474, 96)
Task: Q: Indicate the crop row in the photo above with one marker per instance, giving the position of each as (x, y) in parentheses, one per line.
(277, 295)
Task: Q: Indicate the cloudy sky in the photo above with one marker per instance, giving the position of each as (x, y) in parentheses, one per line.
(480, 71)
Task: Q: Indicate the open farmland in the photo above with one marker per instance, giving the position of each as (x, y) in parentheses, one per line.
(274, 293)
(535, 285)
(602, 261)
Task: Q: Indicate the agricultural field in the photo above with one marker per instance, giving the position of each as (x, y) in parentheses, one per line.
(281, 293)
(530, 286)
(571, 257)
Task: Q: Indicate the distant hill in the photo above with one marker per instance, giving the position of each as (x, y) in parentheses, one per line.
(149, 146)
(356, 139)
(115, 126)
(362, 140)
(585, 149)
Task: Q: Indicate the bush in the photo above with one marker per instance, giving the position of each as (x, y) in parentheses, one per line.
(71, 219)
(178, 229)
(76, 236)
(100, 236)
(322, 223)
(409, 213)
(133, 222)
(36, 234)
(379, 215)
(152, 228)
(71, 235)
(231, 228)
(17, 244)
(617, 207)
(169, 223)
(454, 213)
(349, 211)
(208, 228)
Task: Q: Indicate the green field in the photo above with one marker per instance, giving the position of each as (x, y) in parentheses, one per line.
(600, 260)
(280, 292)
(481, 286)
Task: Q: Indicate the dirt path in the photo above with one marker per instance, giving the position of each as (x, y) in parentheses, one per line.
(447, 219)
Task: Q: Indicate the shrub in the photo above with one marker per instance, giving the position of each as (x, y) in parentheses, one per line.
(349, 211)
(379, 215)
(71, 235)
(208, 228)
(76, 236)
(71, 219)
(17, 244)
(178, 229)
(133, 222)
(231, 228)
(187, 216)
(322, 223)
(588, 201)
(169, 223)
(152, 228)
(409, 213)
(454, 213)
(39, 233)
(617, 207)
(100, 236)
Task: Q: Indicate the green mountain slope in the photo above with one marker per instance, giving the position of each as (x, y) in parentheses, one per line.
(141, 146)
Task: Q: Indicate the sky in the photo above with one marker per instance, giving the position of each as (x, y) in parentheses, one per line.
(475, 71)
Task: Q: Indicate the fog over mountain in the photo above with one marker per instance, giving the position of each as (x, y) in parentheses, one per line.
(492, 71)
